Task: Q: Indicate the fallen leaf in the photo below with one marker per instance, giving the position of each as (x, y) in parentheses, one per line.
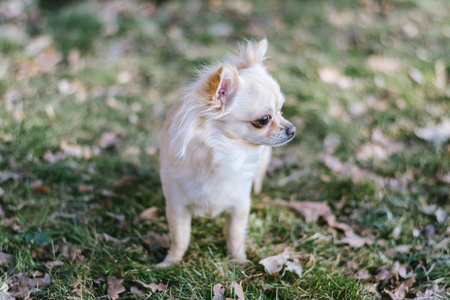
(53, 158)
(396, 232)
(363, 274)
(398, 269)
(137, 291)
(71, 149)
(331, 142)
(115, 287)
(149, 213)
(440, 69)
(109, 140)
(161, 287)
(56, 263)
(38, 282)
(294, 267)
(8, 175)
(106, 237)
(47, 61)
(120, 218)
(400, 292)
(5, 296)
(238, 290)
(19, 290)
(274, 264)
(38, 44)
(310, 210)
(383, 64)
(85, 188)
(6, 260)
(220, 29)
(348, 170)
(124, 183)
(417, 76)
(219, 292)
(371, 151)
(156, 239)
(313, 210)
(332, 75)
(438, 133)
(441, 215)
(355, 240)
(382, 273)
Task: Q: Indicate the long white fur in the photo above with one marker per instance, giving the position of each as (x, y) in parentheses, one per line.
(210, 152)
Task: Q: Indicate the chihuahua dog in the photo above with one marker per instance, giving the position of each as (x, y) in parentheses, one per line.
(216, 143)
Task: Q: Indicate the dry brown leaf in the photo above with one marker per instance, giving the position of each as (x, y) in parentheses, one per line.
(310, 210)
(355, 240)
(294, 267)
(154, 238)
(313, 210)
(400, 270)
(53, 158)
(400, 292)
(332, 75)
(371, 151)
(363, 274)
(6, 259)
(161, 287)
(106, 237)
(79, 290)
(238, 290)
(383, 273)
(219, 292)
(383, 64)
(348, 170)
(8, 175)
(51, 264)
(441, 215)
(274, 264)
(19, 290)
(417, 76)
(115, 287)
(109, 140)
(137, 291)
(124, 183)
(438, 134)
(149, 213)
(47, 61)
(71, 149)
(5, 296)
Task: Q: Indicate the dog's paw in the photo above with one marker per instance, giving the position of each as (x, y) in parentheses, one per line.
(163, 264)
(241, 261)
(240, 257)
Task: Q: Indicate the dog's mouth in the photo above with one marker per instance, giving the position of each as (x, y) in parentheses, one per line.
(283, 142)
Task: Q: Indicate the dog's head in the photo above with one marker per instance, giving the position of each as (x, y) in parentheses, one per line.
(248, 100)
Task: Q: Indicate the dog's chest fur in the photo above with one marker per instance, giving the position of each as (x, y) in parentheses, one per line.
(216, 175)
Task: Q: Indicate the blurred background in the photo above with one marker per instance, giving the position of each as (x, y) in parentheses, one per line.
(84, 89)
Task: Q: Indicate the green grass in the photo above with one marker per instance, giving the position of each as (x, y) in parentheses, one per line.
(123, 66)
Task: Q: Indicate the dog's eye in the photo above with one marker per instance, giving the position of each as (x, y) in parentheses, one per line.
(261, 122)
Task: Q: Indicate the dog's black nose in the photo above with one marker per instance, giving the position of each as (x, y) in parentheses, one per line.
(290, 130)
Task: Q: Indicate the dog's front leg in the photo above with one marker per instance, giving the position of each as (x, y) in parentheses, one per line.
(179, 218)
(235, 231)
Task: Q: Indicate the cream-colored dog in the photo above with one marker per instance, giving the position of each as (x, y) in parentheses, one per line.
(216, 142)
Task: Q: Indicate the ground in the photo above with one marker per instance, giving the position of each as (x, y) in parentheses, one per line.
(355, 207)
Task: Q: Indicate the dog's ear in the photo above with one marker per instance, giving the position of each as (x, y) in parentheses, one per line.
(223, 84)
(250, 55)
(259, 51)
